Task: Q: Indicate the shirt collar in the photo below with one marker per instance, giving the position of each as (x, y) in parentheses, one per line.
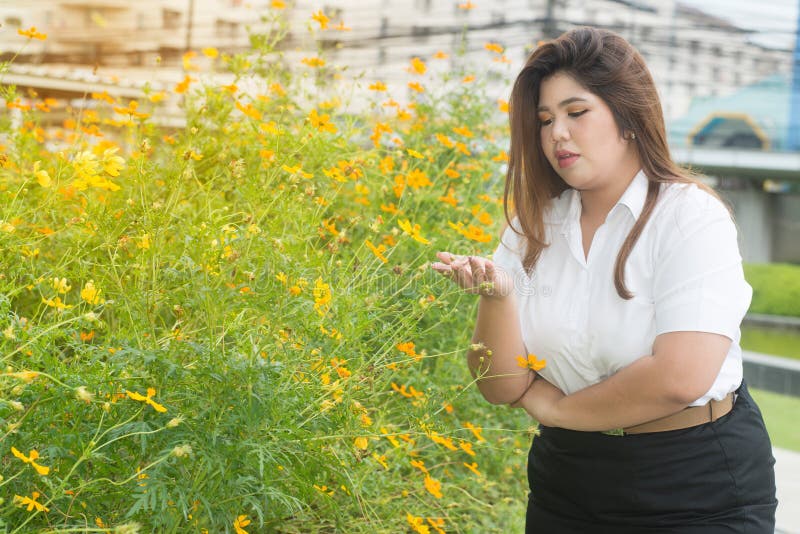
(633, 198)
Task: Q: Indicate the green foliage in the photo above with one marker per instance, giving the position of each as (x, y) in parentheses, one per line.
(776, 288)
(198, 324)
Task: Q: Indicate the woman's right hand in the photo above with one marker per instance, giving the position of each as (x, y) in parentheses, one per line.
(475, 274)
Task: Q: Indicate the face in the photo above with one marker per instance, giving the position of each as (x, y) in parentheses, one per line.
(579, 135)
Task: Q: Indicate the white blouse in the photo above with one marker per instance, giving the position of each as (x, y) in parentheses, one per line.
(685, 272)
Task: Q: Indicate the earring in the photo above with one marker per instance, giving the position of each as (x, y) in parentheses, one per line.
(631, 136)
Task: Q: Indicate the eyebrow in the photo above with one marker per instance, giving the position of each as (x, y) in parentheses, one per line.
(563, 103)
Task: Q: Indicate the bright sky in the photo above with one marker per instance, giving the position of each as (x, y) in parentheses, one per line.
(775, 20)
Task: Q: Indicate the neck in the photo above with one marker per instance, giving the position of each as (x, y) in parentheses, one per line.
(597, 203)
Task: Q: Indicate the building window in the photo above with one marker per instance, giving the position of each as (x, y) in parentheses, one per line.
(694, 47)
(171, 20)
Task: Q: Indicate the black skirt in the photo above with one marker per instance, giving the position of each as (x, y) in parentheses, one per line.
(714, 478)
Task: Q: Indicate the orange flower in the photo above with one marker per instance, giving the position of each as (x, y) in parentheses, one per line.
(183, 86)
(433, 486)
(502, 105)
(466, 447)
(31, 33)
(476, 431)
(416, 86)
(313, 61)
(417, 66)
(320, 17)
(378, 251)
(494, 47)
(473, 467)
(466, 6)
(239, 524)
(31, 502)
(33, 455)
(440, 55)
(532, 362)
(463, 130)
(147, 399)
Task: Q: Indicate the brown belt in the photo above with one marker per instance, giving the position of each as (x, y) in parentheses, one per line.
(688, 417)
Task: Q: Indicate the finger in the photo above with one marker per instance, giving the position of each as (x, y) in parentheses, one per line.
(462, 274)
(478, 271)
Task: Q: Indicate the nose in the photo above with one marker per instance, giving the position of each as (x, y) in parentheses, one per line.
(559, 131)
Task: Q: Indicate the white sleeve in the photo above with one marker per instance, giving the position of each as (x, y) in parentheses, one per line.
(699, 283)
(508, 254)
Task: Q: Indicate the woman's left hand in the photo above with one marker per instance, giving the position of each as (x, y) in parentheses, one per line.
(541, 402)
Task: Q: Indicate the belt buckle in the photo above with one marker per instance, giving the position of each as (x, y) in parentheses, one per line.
(614, 432)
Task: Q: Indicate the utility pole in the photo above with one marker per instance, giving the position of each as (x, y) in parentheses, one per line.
(549, 21)
(793, 135)
(189, 24)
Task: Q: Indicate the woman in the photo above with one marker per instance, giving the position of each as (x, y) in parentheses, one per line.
(624, 274)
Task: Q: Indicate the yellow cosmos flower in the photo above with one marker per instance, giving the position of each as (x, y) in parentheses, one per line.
(61, 285)
(433, 486)
(416, 86)
(31, 459)
(211, 52)
(112, 163)
(417, 178)
(378, 251)
(313, 62)
(321, 122)
(466, 6)
(405, 225)
(278, 4)
(31, 502)
(56, 303)
(473, 467)
(91, 294)
(476, 431)
(151, 392)
(239, 523)
(41, 175)
(441, 55)
(320, 17)
(418, 66)
(414, 154)
(417, 524)
(377, 86)
(31, 33)
(531, 362)
(494, 47)
(463, 130)
(322, 296)
(466, 447)
(361, 443)
(502, 105)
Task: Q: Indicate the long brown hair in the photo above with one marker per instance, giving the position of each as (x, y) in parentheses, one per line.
(608, 66)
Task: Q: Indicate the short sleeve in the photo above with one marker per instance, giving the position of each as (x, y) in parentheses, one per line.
(699, 282)
(508, 254)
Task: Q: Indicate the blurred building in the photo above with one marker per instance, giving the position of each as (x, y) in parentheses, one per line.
(690, 53)
(123, 32)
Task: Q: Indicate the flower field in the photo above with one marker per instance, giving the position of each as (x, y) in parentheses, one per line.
(232, 326)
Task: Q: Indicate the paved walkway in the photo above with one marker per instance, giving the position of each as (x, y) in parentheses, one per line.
(787, 478)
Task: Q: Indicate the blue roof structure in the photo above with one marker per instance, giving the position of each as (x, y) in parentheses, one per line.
(755, 116)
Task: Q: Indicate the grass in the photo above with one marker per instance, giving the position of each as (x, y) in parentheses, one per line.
(784, 343)
(776, 288)
(780, 415)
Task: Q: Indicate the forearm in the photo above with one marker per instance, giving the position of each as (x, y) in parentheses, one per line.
(499, 377)
(642, 391)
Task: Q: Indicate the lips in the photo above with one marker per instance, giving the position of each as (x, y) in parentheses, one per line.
(566, 158)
